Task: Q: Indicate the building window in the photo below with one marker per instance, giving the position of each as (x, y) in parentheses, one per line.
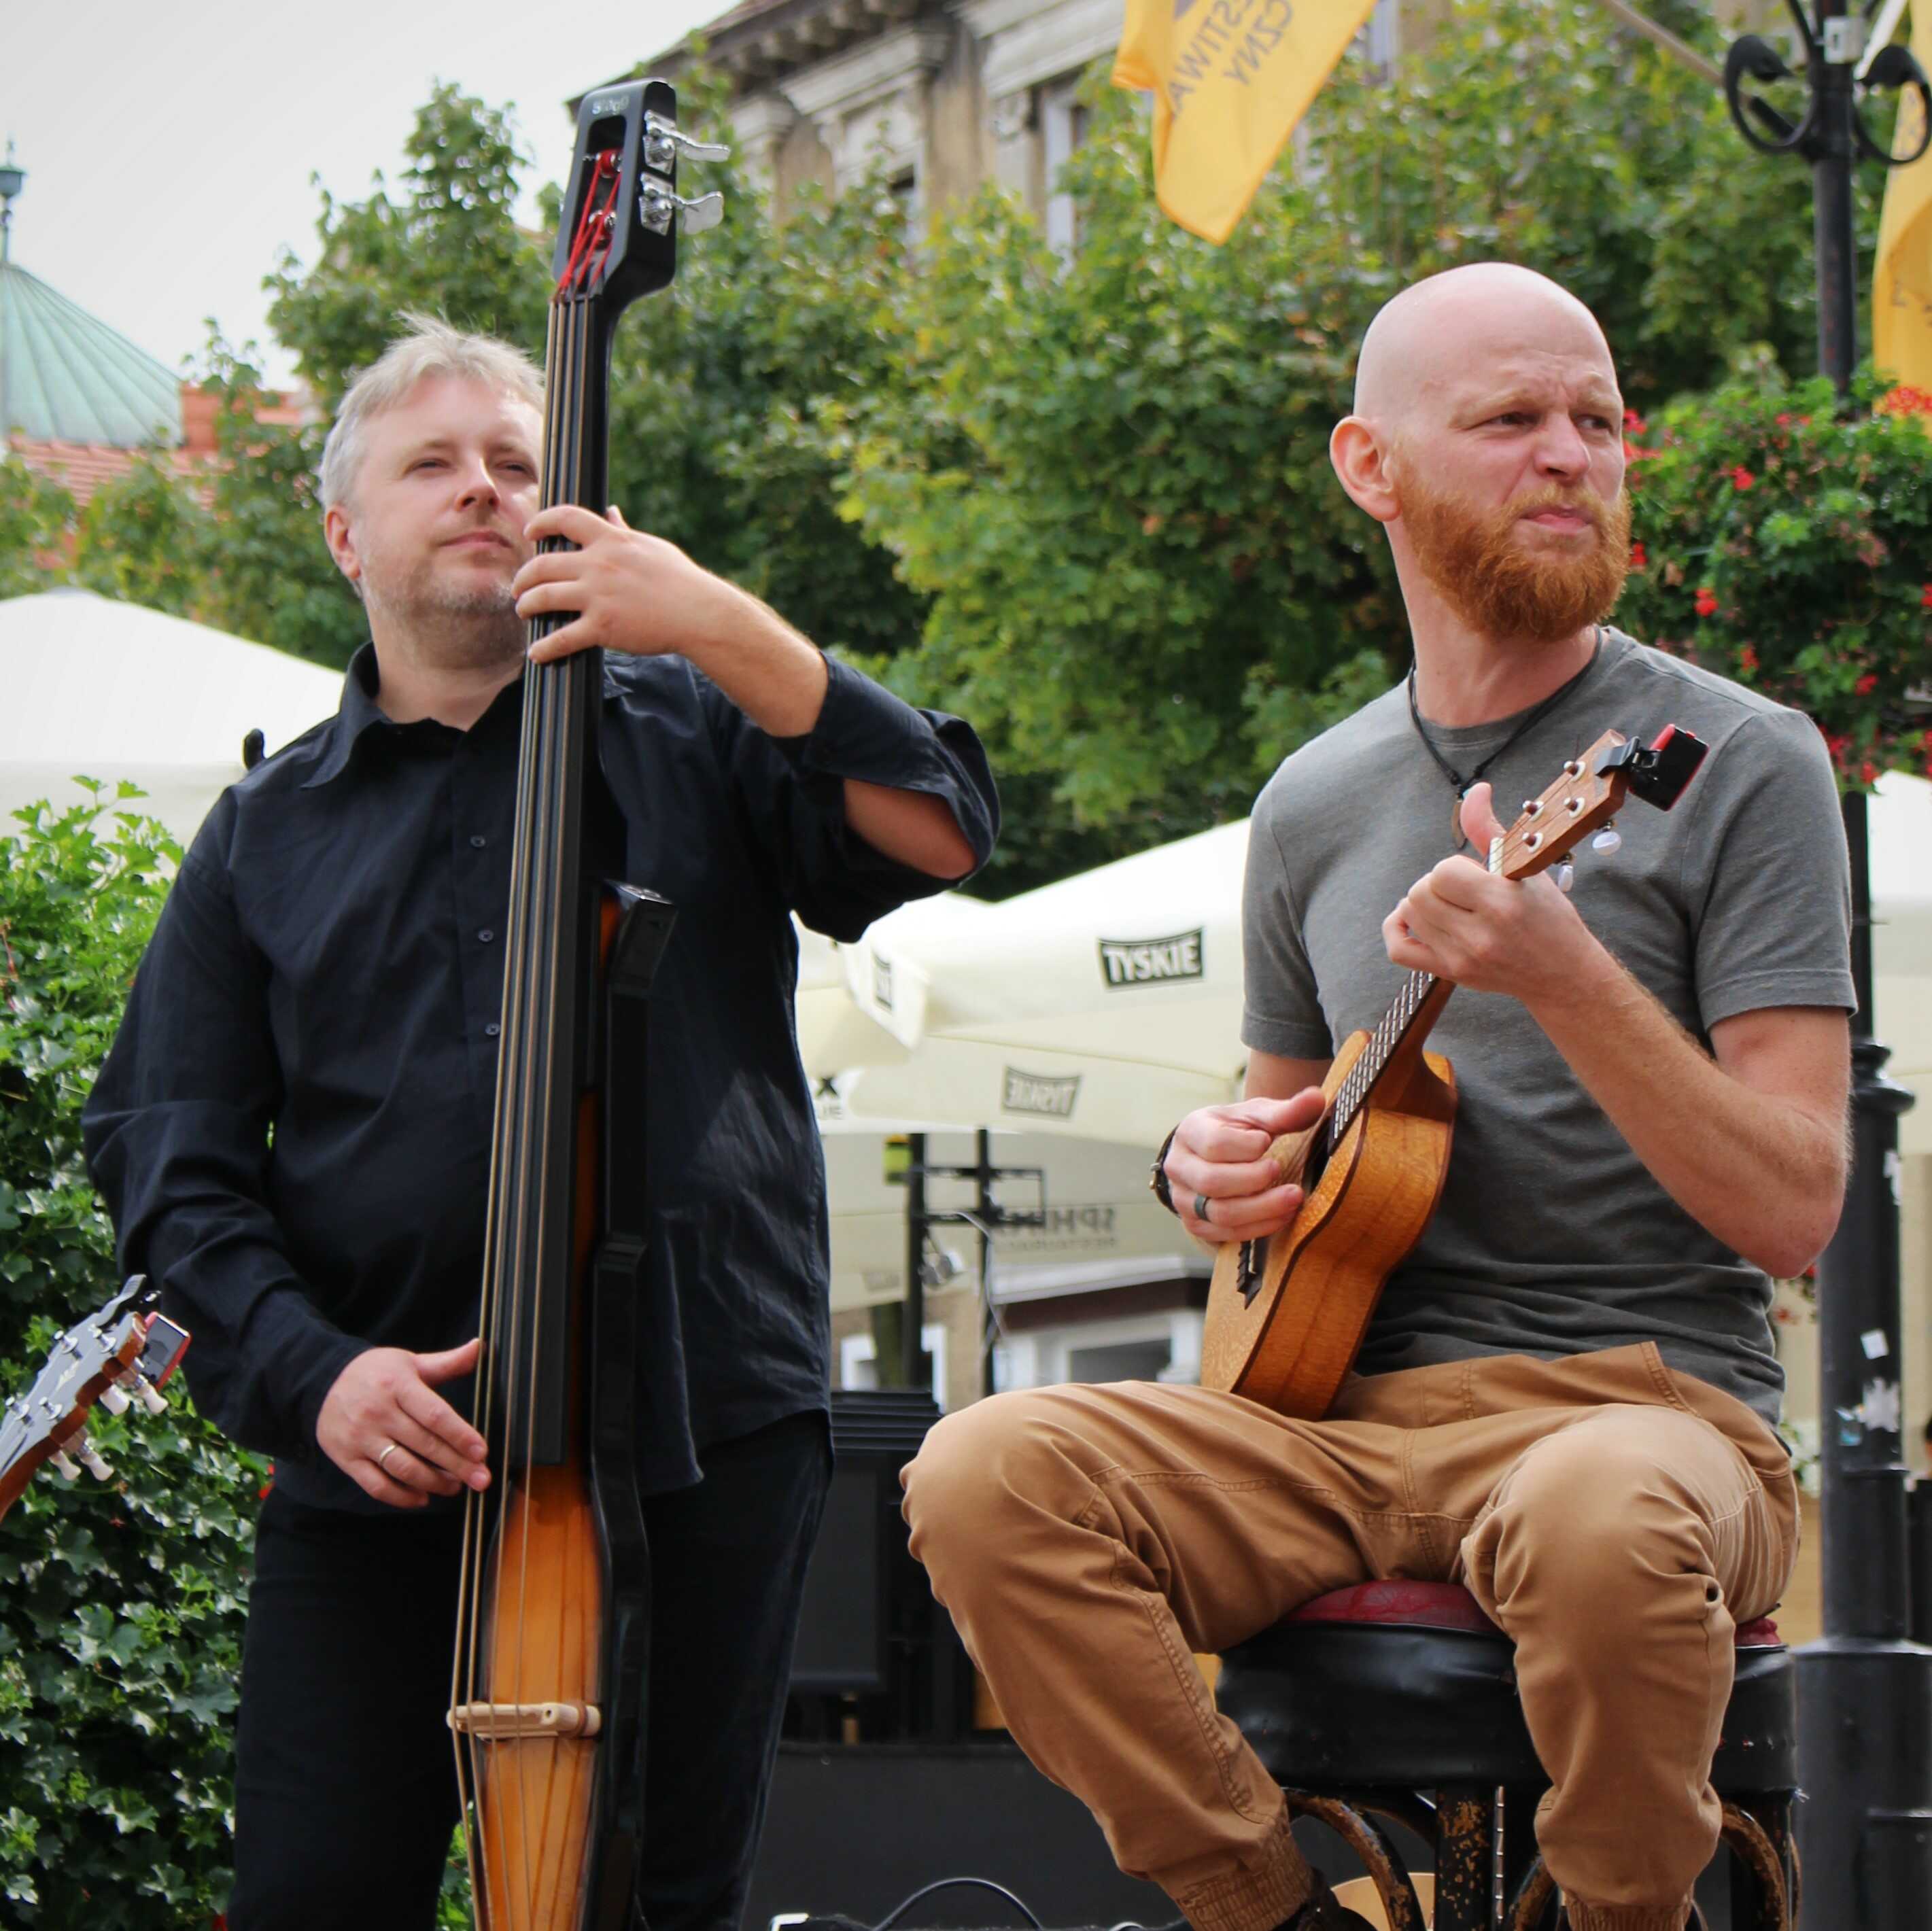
(1063, 127)
(905, 188)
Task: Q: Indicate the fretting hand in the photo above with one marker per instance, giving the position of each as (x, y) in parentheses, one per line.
(1520, 936)
(384, 1427)
(1219, 1155)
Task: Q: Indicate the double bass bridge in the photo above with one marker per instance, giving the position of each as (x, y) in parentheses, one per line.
(502, 1723)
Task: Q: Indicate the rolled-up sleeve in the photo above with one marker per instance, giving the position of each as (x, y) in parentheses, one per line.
(793, 792)
(177, 1133)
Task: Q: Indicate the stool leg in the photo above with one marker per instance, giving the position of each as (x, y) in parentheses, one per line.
(1764, 1864)
(1465, 1858)
(1350, 1822)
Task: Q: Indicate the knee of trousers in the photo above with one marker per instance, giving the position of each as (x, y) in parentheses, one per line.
(988, 1483)
(1590, 1534)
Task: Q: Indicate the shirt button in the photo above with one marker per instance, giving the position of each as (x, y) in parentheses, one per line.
(477, 839)
(490, 1031)
(486, 935)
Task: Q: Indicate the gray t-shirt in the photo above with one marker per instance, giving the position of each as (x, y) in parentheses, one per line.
(1551, 1237)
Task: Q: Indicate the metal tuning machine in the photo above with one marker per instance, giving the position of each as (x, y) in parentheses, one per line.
(658, 202)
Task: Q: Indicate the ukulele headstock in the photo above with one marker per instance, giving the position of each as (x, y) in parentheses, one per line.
(1591, 792)
(120, 1353)
(623, 213)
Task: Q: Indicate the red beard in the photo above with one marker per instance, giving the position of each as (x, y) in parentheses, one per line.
(1479, 562)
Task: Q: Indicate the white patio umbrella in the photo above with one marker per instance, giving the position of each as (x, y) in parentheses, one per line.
(101, 689)
(1105, 1006)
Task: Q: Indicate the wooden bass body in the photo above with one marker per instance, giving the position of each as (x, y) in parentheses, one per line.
(1285, 1316)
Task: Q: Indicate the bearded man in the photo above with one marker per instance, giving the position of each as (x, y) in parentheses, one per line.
(1566, 1400)
(293, 1130)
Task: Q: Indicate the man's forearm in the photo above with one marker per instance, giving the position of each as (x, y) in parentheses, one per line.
(1763, 1173)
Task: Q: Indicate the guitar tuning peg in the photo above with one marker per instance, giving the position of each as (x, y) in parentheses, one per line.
(1565, 876)
(151, 1398)
(115, 1400)
(89, 1458)
(1609, 840)
(65, 1464)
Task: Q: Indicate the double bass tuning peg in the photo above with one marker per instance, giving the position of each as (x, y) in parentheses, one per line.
(658, 208)
(666, 143)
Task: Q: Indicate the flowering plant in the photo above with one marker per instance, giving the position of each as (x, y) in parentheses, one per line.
(1789, 546)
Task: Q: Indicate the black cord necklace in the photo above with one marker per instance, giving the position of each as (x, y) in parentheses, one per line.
(1461, 784)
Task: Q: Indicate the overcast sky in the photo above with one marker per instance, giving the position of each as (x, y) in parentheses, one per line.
(169, 143)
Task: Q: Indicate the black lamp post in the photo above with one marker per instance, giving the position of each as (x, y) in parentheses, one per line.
(1864, 1690)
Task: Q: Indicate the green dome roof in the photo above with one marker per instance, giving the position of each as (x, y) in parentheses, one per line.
(66, 377)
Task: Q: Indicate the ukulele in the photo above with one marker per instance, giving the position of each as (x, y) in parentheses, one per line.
(1286, 1315)
(119, 1354)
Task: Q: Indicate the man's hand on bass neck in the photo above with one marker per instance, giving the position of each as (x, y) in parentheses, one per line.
(385, 1427)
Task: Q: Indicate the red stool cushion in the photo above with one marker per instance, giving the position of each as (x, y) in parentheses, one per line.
(1447, 1606)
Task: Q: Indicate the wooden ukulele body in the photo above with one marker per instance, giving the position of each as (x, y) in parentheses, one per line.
(1290, 1345)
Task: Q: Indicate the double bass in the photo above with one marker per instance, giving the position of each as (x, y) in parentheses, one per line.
(547, 1697)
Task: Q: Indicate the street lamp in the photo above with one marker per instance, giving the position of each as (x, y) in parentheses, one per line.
(1864, 1690)
(13, 178)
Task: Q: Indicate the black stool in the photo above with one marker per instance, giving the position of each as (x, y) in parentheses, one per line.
(1398, 1700)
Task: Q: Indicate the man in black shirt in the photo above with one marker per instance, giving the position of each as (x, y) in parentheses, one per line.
(292, 1129)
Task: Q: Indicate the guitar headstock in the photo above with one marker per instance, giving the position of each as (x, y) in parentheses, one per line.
(120, 1354)
(1591, 792)
(621, 211)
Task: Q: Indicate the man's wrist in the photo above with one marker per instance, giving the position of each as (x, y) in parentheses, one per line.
(1157, 1184)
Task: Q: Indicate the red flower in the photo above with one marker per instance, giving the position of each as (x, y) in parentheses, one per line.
(1867, 685)
(1634, 423)
(1707, 601)
(1747, 657)
(1784, 418)
(1742, 477)
(1925, 598)
(1638, 560)
(1868, 773)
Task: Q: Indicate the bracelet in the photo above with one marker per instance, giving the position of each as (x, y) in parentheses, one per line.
(1157, 1179)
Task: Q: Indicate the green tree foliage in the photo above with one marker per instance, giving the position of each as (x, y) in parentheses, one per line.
(120, 1603)
(1109, 474)
(146, 538)
(1788, 543)
(36, 517)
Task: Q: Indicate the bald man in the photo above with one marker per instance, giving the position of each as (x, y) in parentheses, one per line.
(1566, 1397)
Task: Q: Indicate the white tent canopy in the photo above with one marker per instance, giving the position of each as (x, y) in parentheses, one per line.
(110, 691)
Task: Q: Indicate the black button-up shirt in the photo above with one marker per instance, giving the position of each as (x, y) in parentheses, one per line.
(292, 1128)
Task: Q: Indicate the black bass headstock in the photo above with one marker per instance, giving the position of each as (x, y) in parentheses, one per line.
(621, 211)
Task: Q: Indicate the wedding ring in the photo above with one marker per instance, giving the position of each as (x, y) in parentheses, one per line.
(383, 1460)
(1201, 1204)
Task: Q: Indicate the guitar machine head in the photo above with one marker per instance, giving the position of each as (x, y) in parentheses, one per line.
(120, 1353)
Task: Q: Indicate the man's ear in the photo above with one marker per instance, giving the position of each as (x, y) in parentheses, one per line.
(1361, 463)
(341, 542)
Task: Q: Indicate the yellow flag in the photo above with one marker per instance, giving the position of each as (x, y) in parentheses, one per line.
(1230, 79)
(1902, 287)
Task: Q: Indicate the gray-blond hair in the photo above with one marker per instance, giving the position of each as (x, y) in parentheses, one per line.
(431, 348)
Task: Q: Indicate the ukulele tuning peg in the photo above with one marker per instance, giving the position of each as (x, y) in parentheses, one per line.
(151, 1398)
(658, 208)
(1609, 840)
(64, 1463)
(1565, 876)
(89, 1456)
(115, 1400)
(666, 143)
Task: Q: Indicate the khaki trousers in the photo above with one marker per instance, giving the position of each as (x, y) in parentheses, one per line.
(1617, 1520)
